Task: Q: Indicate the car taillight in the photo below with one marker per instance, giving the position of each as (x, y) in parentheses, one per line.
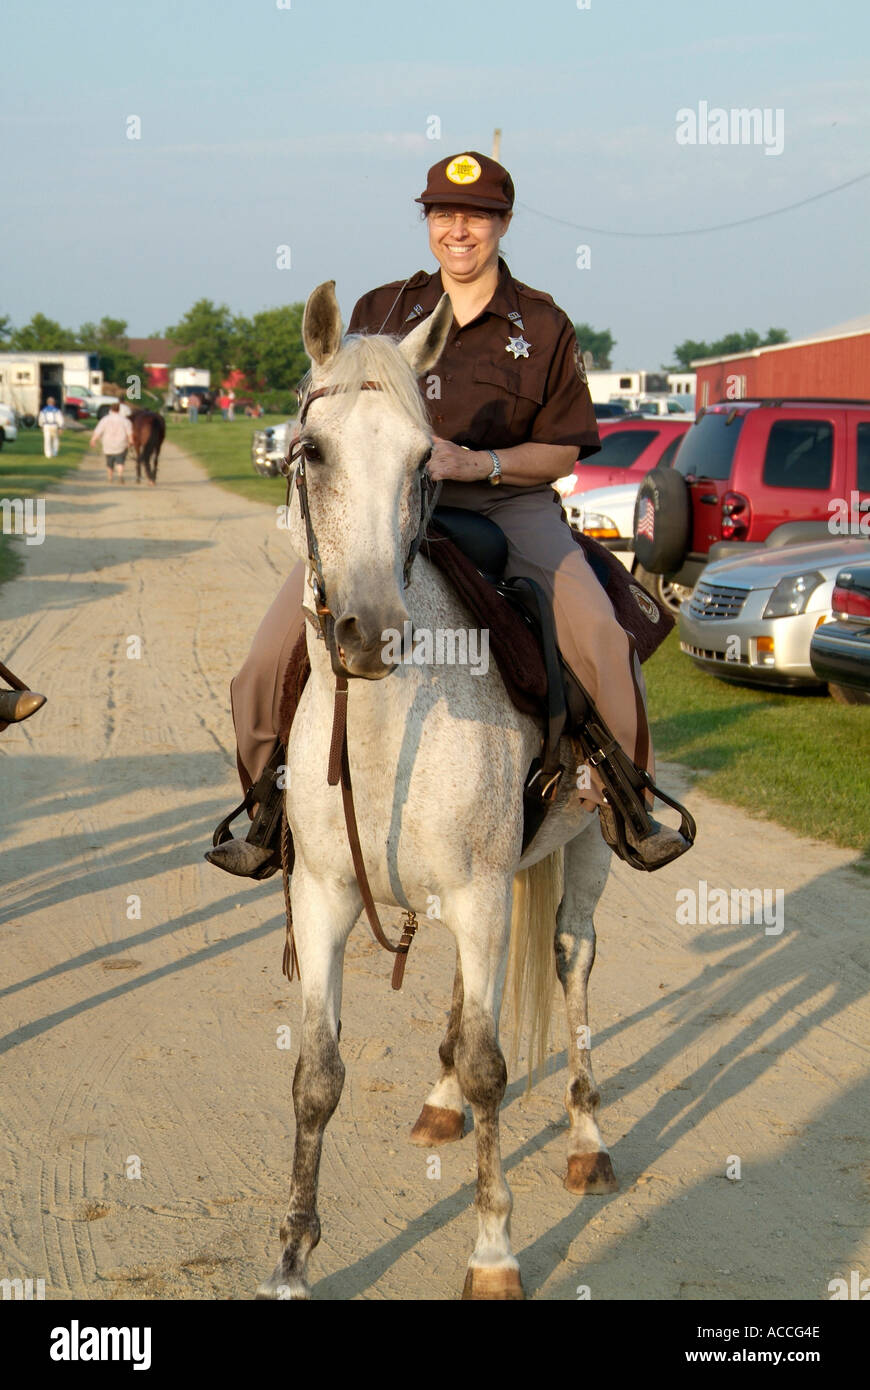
(736, 516)
(848, 601)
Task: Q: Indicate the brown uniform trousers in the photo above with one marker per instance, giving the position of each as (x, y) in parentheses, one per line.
(541, 546)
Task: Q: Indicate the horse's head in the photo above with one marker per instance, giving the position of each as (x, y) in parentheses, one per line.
(364, 453)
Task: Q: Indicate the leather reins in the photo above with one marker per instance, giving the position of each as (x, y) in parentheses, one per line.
(338, 769)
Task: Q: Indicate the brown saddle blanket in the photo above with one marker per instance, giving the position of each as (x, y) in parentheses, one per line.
(513, 646)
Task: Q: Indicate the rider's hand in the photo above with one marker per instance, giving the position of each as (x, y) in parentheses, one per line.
(451, 461)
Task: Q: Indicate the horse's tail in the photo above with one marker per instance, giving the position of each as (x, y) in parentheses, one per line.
(532, 961)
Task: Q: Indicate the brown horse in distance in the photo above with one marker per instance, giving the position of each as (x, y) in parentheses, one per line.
(149, 432)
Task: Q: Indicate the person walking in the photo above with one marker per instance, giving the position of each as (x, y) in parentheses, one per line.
(193, 408)
(51, 420)
(115, 434)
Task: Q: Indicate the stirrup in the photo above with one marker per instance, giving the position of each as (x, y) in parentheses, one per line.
(624, 786)
(268, 796)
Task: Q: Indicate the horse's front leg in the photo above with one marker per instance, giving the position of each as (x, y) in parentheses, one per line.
(442, 1118)
(480, 918)
(323, 914)
(587, 861)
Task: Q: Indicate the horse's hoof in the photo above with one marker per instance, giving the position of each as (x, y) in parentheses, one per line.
(590, 1175)
(498, 1284)
(283, 1286)
(437, 1125)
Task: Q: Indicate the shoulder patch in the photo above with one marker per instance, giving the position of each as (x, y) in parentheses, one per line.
(579, 363)
(647, 605)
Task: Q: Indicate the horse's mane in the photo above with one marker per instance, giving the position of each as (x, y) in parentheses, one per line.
(373, 357)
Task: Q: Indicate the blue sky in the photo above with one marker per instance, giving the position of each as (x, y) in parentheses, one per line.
(307, 126)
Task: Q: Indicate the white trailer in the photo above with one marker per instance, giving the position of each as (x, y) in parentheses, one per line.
(185, 382)
(27, 379)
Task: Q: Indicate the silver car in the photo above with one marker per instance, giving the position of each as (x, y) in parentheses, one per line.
(269, 448)
(752, 619)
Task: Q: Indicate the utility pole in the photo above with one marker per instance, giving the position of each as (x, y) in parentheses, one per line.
(496, 143)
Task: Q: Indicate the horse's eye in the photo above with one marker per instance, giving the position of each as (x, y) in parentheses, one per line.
(310, 452)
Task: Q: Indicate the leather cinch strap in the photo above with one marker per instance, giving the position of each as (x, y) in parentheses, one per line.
(339, 771)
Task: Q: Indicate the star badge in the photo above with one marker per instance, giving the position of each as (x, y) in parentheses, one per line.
(518, 346)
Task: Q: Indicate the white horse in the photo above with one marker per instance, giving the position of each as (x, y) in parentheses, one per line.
(439, 756)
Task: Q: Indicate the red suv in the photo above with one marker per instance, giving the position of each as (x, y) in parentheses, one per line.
(756, 471)
(629, 449)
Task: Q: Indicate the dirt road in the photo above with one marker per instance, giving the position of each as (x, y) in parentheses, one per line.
(146, 1111)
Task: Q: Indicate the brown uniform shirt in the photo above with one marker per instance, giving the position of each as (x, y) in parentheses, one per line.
(478, 393)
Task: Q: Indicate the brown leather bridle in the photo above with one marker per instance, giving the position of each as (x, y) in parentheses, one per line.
(338, 770)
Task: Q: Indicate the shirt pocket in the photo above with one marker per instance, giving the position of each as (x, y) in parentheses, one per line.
(505, 400)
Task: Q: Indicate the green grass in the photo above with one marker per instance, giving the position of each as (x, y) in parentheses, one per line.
(224, 448)
(798, 759)
(25, 472)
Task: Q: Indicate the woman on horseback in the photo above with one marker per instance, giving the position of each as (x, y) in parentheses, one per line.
(510, 410)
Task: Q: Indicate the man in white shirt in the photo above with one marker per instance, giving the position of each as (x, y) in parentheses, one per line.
(115, 433)
(51, 420)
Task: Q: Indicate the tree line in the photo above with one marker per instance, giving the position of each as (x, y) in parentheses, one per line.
(267, 347)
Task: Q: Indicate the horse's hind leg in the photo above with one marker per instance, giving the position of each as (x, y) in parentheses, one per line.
(442, 1118)
(493, 1272)
(587, 860)
(323, 916)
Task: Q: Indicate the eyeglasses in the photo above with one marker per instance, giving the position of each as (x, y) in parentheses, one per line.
(443, 217)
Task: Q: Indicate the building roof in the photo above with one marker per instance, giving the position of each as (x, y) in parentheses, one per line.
(852, 328)
(154, 352)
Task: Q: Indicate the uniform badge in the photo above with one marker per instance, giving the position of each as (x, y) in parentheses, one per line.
(580, 364)
(518, 346)
(463, 169)
(516, 320)
(646, 605)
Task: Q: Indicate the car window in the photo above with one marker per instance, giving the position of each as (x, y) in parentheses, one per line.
(667, 458)
(799, 454)
(622, 448)
(708, 447)
(864, 458)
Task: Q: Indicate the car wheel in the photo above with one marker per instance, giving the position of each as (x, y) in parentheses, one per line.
(28, 421)
(669, 594)
(2, 438)
(103, 410)
(848, 695)
(663, 511)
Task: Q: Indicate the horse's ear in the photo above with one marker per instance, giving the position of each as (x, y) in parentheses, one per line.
(321, 324)
(425, 344)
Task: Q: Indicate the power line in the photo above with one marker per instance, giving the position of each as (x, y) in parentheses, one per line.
(696, 231)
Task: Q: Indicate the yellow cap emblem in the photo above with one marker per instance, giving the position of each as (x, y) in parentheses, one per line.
(463, 169)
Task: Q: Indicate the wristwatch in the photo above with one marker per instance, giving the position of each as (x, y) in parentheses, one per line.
(495, 476)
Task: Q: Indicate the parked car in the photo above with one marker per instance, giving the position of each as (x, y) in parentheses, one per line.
(8, 425)
(609, 410)
(269, 448)
(751, 618)
(607, 514)
(81, 402)
(840, 650)
(629, 449)
(664, 405)
(753, 472)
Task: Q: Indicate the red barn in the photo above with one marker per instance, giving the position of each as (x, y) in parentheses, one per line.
(158, 355)
(834, 364)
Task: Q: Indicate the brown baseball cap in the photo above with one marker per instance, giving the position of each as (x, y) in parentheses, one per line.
(469, 180)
